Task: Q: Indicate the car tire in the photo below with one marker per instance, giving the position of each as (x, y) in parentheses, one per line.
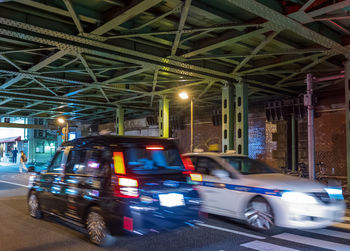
(34, 206)
(259, 215)
(97, 228)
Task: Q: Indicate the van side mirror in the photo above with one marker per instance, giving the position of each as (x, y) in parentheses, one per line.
(221, 174)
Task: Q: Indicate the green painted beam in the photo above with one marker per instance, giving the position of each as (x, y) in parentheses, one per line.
(241, 122)
(125, 16)
(163, 118)
(227, 110)
(119, 123)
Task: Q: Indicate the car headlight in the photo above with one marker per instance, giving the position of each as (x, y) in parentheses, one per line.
(297, 197)
(335, 193)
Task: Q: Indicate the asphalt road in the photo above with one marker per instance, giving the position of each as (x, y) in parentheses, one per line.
(18, 231)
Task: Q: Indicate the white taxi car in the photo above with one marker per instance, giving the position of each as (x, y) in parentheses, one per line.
(246, 189)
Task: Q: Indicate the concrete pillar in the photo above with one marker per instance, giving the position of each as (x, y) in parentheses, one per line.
(119, 121)
(347, 121)
(163, 118)
(227, 108)
(308, 101)
(241, 102)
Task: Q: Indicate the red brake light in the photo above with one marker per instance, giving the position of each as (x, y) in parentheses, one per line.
(127, 188)
(154, 148)
(187, 163)
(119, 165)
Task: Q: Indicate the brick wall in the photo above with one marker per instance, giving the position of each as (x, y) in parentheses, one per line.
(330, 141)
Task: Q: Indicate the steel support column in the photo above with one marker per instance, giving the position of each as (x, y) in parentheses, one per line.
(347, 107)
(227, 117)
(164, 117)
(294, 145)
(308, 101)
(241, 102)
(119, 121)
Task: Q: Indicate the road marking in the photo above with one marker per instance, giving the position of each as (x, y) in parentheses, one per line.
(232, 231)
(329, 232)
(12, 183)
(264, 246)
(342, 225)
(312, 242)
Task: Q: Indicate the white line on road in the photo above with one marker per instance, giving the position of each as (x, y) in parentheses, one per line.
(232, 231)
(12, 183)
(312, 242)
(264, 246)
(329, 232)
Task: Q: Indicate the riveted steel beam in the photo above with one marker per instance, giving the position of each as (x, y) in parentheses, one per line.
(256, 50)
(284, 62)
(163, 118)
(227, 111)
(241, 122)
(225, 41)
(119, 123)
(176, 9)
(36, 67)
(181, 25)
(329, 8)
(125, 16)
(74, 16)
(155, 78)
(284, 22)
(123, 53)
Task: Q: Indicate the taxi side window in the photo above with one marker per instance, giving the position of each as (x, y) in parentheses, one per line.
(206, 165)
(76, 162)
(56, 163)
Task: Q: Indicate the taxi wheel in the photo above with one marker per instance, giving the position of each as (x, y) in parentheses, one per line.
(34, 206)
(97, 228)
(259, 214)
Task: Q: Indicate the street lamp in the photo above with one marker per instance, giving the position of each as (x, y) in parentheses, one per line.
(184, 95)
(62, 121)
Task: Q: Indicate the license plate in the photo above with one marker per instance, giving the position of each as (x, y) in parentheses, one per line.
(171, 200)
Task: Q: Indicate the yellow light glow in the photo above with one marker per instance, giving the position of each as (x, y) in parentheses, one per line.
(61, 120)
(183, 95)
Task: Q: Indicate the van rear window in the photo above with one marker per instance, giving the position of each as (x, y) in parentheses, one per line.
(153, 160)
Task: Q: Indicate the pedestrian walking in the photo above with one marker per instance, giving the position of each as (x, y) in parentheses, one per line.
(22, 165)
(14, 155)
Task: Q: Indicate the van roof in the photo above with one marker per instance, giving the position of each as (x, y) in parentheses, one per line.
(107, 140)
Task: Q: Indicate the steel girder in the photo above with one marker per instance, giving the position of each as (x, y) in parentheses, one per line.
(128, 14)
(284, 22)
(125, 55)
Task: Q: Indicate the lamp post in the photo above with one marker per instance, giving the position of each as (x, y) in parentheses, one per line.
(62, 121)
(184, 95)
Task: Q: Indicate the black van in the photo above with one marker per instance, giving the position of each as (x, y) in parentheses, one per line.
(116, 184)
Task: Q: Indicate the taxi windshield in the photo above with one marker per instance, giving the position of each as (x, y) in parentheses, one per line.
(141, 160)
(248, 166)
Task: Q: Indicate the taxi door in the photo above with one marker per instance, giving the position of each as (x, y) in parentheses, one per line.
(215, 197)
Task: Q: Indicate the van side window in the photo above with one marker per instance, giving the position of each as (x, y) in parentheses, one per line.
(56, 163)
(76, 162)
(206, 165)
(98, 163)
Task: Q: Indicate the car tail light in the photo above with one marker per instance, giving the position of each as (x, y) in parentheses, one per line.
(127, 188)
(119, 164)
(128, 223)
(154, 148)
(196, 177)
(187, 163)
(127, 182)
